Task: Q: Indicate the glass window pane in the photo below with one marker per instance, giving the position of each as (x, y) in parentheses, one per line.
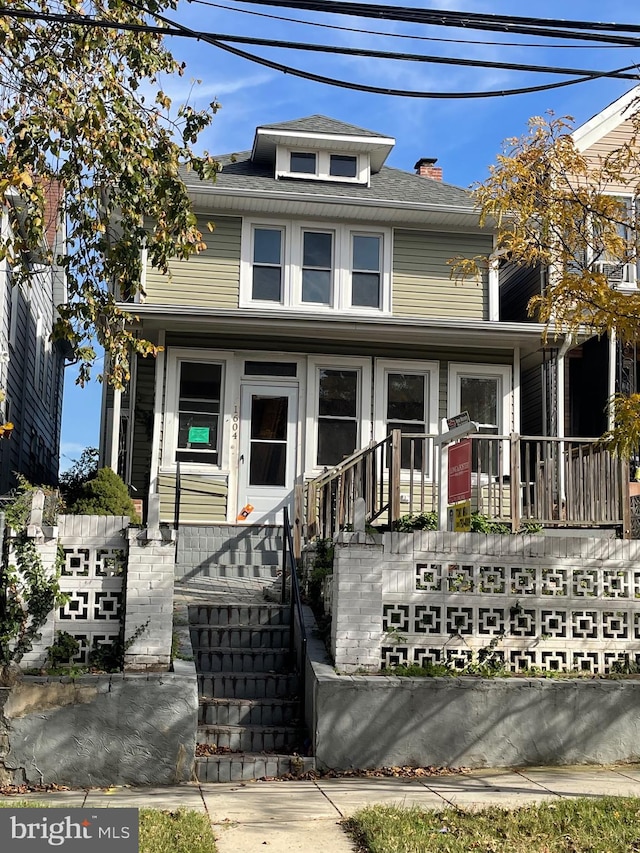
(405, 397)
(200, 380)
(303, 162)
(479, 397)
(365, 289)
(407, 444)
(267, 284)
(267, 246)
(343, 166)
(268, 464)
(270, 368)
(269, 418)
(317, 250)
(338, 393)
(336, 439)
(197, 431)
(210, 458)
(316, 286)
(366, 253)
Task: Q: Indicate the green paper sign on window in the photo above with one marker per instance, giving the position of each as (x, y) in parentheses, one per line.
(199, 435)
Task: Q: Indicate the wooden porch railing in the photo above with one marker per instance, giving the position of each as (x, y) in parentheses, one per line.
(555, 482)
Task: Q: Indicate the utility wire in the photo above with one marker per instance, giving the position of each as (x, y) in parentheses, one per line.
(463, 20)
(360, 87)
(318, 48)
(411, 36)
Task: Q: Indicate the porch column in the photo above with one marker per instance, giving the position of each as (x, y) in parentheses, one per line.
(157, 417)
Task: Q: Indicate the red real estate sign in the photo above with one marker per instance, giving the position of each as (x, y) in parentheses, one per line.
(460, 471)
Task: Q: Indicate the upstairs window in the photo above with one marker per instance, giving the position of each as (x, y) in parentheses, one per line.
(317, 267)
(305, 265)
(303, 162)
(366, 270)
(267, 265)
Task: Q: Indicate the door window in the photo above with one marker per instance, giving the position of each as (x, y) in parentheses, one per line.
(268, 453)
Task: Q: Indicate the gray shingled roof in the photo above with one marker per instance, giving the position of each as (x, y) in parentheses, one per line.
(239, 172)
(321, 124)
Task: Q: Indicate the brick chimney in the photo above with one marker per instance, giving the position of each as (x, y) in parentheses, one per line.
(426, 168)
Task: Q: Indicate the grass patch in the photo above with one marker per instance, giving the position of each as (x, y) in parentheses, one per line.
(181, 831)
(602, 825)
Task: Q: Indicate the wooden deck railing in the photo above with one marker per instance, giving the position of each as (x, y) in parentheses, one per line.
(556, 482)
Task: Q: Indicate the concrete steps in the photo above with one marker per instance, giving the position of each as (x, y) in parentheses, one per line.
(229, 551)
(249, 707)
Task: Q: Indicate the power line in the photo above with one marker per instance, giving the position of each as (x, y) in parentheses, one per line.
(318, 48)
(318, 78)
(464, 20)
(411, 36)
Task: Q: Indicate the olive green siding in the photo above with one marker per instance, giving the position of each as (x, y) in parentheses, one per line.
(202, 498)
(422, 284)
(208, 280)
(142, 435)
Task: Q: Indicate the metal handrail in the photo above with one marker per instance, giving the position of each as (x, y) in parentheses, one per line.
(295, 602)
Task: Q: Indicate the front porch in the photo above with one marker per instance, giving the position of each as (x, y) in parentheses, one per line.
(517, 480)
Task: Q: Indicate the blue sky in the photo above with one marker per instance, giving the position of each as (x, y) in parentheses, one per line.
(465, 135)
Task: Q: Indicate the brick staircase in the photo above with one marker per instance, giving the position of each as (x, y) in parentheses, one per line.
(250, 713)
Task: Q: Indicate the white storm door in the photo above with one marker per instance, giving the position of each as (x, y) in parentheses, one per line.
(267, 462)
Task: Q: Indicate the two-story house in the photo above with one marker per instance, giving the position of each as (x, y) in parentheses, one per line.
(321, 315)
(31, 366)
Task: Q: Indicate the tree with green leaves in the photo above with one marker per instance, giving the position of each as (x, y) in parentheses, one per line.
(559, 209)
(88, 135)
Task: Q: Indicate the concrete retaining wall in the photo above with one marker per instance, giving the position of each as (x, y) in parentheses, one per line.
(100, 730)
(370, 721)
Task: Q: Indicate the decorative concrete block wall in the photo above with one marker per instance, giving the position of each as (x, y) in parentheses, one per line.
(95, 555)
(550, 603)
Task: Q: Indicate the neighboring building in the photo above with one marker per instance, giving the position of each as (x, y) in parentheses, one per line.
(569, 393)
(321, 315)
(31, 366)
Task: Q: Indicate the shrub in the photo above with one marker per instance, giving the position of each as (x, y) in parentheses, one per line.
(105, 494)
(83, 469)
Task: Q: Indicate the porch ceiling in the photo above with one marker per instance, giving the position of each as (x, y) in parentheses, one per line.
(398, 331)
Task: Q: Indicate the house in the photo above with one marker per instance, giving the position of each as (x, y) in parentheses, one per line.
(321, 315)
(31, 365)
(568, 394)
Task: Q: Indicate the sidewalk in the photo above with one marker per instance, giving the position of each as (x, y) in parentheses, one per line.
(303, 816)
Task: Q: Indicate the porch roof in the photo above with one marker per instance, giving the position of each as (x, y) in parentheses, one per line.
(400, 331)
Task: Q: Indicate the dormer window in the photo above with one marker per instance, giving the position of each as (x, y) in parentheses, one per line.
(303, 162)
(322, 165)
(343, 166)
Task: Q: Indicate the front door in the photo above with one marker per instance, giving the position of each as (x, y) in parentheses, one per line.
(267, 463)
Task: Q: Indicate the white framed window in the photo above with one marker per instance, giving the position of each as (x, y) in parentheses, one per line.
(317, 268)
(484, 390)
(620, 273)
(267, 254)
(292, 264)
(195, 408)
(322, 165)
(406, 398)
(338, 409)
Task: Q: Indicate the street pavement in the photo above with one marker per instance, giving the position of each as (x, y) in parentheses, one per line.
(306, 815)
